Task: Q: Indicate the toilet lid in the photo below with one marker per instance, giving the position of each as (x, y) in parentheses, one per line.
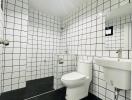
(73, 76)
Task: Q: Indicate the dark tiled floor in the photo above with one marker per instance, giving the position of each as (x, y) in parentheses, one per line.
(33, 87)
(38, 86)
(91, 97)
(13, 95)
(60, 95)
(55, 95)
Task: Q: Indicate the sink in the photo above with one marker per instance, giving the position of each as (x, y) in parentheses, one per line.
(116, 73)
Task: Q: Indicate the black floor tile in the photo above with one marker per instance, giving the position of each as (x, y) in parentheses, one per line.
(38, 86)
(55, 95)
(13, 95)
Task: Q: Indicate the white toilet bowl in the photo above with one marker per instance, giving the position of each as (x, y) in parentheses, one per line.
(77, 83)
(73, 80)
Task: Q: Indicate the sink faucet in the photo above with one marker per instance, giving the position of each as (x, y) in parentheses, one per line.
(119, 54)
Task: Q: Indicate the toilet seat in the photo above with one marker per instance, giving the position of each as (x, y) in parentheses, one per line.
(73, 76)
(73, 79)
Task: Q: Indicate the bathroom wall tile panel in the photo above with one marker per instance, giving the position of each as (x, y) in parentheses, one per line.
(14, 55)
(84, 36)
(43, 45)
(1, 36)
(34, 41)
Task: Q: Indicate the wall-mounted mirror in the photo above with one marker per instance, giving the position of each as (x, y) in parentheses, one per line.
(118, 31)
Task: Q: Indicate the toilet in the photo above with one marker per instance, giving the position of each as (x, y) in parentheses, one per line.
(77, 83)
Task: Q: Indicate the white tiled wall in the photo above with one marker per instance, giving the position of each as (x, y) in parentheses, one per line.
(14, 55)
(1, 37)
(34, 45)
(122, 34)
(35, 41)
(84, 35)
(43, 44)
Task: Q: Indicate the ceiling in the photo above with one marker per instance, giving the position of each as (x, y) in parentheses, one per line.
(56, 7)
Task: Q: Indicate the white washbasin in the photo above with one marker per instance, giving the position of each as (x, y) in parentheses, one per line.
(116, 73)
(123, 64)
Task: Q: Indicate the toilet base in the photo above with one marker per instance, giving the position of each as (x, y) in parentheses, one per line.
(77, 93)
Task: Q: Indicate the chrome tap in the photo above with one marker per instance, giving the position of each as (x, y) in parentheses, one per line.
(4, 42)
(119, 54)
